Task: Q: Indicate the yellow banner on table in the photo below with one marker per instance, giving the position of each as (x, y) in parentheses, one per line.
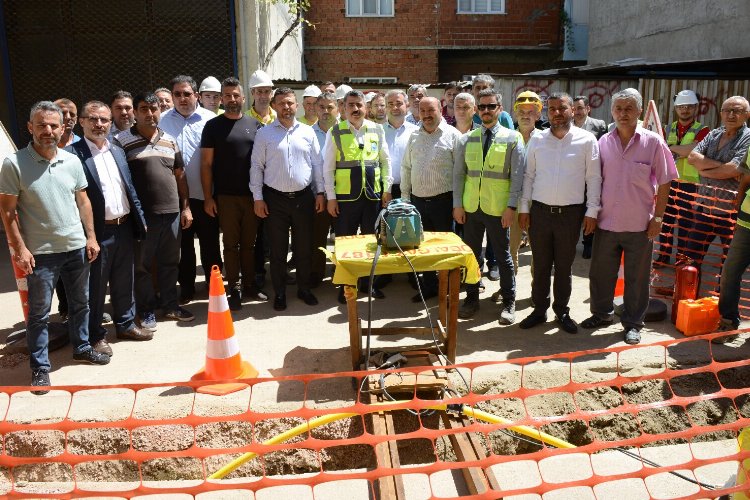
(353, 256)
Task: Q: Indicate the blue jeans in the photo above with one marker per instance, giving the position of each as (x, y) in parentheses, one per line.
(734, 267)
(163, 243)
(73, 268)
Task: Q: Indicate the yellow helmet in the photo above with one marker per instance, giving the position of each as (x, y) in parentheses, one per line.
(528, 97)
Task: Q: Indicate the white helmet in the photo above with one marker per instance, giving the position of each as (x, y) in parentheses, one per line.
(685, 97)
(312, 91)
(260, 79)
(210, 84)
(341, 91)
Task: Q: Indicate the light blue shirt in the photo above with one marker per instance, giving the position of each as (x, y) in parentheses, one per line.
(187, 133)
(286, 160)
(397, 138)
(320, 134)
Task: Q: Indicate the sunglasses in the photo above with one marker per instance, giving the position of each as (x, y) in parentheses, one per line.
(484, 107)
(182, 94)
(524, 100)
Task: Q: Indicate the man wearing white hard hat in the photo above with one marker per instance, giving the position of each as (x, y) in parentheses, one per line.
(261, 114)
(309, 97)
(340, 93)
(261, 90)
(682, 136)
(210, 94)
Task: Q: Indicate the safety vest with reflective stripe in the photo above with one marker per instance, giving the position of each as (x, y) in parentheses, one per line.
(743, 217)
(687, 171)
(357, 164)
(487, 183)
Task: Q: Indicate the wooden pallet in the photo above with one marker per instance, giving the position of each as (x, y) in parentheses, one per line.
(430, 384)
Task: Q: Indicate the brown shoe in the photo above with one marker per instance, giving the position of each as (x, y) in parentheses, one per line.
(135, 333)
(102, 347)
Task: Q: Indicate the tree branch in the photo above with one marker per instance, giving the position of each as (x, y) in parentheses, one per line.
(289, 31)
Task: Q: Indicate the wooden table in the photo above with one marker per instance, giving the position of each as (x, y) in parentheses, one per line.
(442, 252)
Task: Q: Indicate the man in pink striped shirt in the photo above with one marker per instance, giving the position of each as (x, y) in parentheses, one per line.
(636, 167)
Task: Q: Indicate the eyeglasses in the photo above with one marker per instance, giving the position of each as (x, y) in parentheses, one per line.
(526, 99)
(177, 93)
(734, 111)
(484, 107)
(97, 119)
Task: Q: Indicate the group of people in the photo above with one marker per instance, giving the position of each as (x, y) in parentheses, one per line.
(123, 204)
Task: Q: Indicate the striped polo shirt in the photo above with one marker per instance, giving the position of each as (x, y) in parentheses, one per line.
(152, 164)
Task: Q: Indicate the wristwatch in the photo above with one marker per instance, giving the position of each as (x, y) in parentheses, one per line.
(658, 219)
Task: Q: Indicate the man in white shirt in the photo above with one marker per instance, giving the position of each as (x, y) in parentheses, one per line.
(287, 186)
(427, 176)
(118, 222)
(561, 189)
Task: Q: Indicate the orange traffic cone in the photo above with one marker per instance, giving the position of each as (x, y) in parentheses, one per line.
(620, 285)
(223, 359)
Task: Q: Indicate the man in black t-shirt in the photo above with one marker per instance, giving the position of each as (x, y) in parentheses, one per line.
(226, 147)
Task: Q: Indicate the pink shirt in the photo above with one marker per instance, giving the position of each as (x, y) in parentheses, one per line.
(630, 178)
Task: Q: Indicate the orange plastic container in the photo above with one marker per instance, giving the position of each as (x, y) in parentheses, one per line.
(695, 317)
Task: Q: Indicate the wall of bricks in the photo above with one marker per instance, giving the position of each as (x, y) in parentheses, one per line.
(406, 46)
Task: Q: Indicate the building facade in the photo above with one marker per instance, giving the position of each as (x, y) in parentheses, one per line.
(389, 41)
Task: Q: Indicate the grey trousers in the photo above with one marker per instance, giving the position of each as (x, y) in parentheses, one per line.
(608, 248)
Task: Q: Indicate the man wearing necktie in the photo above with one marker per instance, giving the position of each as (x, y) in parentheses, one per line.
(485, 196)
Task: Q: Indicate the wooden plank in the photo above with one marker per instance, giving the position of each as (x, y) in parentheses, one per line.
(453, 288)
(355, 330)
(385, 487)
(443, 295)
(467, 448)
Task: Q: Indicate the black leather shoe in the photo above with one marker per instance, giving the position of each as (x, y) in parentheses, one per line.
(531, 321)
(567, 323)
(279, 303)
(595, 322)
(307, 297)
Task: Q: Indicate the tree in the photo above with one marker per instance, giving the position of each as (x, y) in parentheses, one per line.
(296, 9)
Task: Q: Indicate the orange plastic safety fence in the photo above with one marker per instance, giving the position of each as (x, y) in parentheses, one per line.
(680, 404)
(699, 222)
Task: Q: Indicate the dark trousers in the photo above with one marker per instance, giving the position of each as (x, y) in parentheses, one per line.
(706, 228)
(162, 244)
(609, 248)
(239, 226)
(678, 217)
(437, 215)
(114, 266)
(554, 231)
(356, 215)
(297, 214)
(476, 224)
(738, 259)
(207, 229)
(321, 227)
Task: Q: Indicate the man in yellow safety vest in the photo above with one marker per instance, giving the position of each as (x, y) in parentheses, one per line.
(487, 181)
(682, 136)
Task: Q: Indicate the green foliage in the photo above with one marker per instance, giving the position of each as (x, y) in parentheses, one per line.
(566, 25)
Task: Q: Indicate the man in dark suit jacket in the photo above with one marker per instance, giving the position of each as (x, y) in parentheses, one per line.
(118, 221)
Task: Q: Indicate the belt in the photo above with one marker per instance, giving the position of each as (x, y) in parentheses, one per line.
(117, 221)
(437, 197)
(293, 194)
(556, 209)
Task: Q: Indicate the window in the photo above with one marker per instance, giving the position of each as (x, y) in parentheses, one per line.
(370, 8)
(373, 79)
(481, 6)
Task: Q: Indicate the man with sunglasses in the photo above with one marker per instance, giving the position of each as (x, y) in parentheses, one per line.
(561, 189)
(185, 122)
(487, 178)
(118, 222)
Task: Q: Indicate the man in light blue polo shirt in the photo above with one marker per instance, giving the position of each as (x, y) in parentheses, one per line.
(185, 122)
(46, 186)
